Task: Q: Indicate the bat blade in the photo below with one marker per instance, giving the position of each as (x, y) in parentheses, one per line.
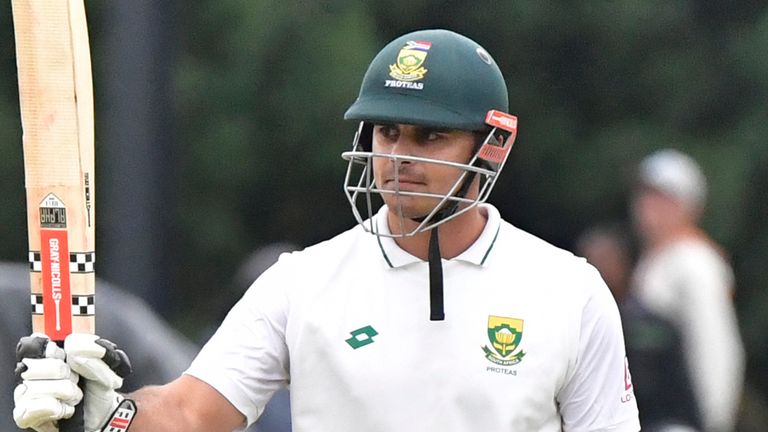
(56, 99)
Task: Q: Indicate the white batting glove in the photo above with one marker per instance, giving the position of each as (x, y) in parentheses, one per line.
(48, 389)
(102, 366)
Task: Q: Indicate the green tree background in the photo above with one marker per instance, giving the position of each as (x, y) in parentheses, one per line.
(260, 87)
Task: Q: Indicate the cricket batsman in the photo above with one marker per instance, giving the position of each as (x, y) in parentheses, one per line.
(431, 314)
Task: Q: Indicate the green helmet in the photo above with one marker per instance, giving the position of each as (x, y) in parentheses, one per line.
(433, 78)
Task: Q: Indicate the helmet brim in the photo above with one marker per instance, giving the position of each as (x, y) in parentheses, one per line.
(395, 108)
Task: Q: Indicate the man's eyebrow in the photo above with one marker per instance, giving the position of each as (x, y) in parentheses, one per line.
(441, 129)
(419, 128)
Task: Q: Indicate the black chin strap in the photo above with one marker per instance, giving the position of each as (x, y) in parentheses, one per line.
(436, 310)
(436, 298)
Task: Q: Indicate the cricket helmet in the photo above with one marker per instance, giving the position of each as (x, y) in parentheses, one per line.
(434, 78)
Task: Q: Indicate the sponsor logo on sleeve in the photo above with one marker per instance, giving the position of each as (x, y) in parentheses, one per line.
(628, 391)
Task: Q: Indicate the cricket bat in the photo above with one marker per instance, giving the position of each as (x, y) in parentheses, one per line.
(56, 99)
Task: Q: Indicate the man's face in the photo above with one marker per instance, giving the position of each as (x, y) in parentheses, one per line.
(656, 214)
(409, 176)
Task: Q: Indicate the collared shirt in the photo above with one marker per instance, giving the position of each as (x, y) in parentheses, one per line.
(475, 254)
(531, 341)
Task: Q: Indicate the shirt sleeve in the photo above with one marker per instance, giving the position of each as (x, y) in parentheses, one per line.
(246, 360)
(710, 333)
(598, 393)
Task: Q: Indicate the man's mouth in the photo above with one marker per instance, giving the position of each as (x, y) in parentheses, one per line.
(403, 183)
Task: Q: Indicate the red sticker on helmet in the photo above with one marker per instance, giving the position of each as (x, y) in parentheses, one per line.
(493, 153)
(501, 120)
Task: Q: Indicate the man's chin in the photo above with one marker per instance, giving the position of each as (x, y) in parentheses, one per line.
(406, 213)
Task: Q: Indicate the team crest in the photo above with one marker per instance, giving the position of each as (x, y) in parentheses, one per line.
(409, 65)
(505, 335)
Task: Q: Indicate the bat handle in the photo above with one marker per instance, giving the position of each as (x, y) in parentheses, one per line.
(76, 423)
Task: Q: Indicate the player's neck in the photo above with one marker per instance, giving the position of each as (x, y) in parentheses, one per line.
(456, 235)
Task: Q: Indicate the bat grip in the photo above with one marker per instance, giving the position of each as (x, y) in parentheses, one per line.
(76, 423)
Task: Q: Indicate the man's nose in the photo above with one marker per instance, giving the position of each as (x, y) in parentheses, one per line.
(404, 146)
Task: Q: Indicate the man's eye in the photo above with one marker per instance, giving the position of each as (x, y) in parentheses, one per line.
(432, 135)
(387, 131)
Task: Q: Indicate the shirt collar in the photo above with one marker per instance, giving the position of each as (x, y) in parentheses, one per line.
(476, 254)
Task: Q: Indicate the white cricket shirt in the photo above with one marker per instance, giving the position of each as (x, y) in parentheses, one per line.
(691, 285)
(531, 340)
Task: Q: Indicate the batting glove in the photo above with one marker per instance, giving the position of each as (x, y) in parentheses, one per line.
(103, 367)
(48, 390)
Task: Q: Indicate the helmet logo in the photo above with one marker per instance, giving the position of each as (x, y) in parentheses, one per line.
(409, 66)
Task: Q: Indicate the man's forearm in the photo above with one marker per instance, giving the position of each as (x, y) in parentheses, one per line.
(185, 404)
(154, 413)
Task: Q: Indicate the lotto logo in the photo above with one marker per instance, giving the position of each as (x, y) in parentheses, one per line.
(361, 337)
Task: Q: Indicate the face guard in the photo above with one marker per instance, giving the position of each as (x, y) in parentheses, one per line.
(364, 195)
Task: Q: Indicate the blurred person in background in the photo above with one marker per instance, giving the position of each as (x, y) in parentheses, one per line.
(685, 277)
(659, 374)
(158, 352)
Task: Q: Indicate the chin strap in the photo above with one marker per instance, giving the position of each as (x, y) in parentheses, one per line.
(436, 297)
(436, 310)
